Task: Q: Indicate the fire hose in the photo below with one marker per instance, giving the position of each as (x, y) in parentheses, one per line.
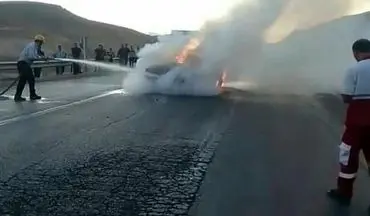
(9, 87)
(14, 82)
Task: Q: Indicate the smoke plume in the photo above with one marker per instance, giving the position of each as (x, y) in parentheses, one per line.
(286, 46)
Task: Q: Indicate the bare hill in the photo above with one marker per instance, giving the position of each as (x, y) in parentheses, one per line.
(315, 59)
(20, 21)
(329, 41)
(325, 51)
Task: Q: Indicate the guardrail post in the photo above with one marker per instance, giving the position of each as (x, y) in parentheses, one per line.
(84, 44)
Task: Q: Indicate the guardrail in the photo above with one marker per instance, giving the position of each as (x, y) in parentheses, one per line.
(36, 64)
(39, 64)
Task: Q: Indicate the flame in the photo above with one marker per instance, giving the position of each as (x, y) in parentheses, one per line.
(186, 51)
(221, 82)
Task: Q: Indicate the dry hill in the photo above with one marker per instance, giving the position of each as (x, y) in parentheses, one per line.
(20, 21)
(323, 53)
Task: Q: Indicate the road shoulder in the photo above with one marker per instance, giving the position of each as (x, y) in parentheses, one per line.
(284, 166)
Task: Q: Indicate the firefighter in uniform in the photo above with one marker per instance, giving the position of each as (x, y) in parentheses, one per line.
(29, 54)
(356, 137)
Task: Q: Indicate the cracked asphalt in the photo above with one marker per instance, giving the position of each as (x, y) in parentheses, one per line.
(243, 153)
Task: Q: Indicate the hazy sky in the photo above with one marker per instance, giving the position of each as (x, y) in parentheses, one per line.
(157, 16)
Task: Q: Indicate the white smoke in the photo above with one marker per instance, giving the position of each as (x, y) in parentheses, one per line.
(161, 53)
(289, 46)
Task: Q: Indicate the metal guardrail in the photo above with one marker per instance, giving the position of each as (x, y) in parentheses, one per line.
(36, 64)
(39, 64)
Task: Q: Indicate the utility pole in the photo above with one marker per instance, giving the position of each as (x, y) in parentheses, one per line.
(83, 44)
(84, 41)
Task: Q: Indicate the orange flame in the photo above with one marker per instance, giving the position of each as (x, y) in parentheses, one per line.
(186, 51)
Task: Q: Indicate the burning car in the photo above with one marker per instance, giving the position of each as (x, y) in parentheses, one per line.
(186, 68)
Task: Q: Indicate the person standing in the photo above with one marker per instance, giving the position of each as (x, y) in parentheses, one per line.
(100, 53)
(120, 55)
(60, 53)
(76, 54)
(111, 55)
(137, 52)
(29, 54)
(123, 54)
(132, 56)
(126, 53)
(356, 137)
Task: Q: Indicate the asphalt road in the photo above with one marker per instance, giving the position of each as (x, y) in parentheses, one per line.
(90, 149)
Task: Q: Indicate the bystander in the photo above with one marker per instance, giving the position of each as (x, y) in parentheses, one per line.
(123, 54)
(76, 54)
(60, 53)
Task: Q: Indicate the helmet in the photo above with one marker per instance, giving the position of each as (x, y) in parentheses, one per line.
(40, 38)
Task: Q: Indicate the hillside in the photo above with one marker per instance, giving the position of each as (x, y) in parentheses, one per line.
(318, 56)
(328, 40)
(20, 21)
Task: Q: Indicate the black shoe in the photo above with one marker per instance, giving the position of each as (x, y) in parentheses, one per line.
(19, 99)
(339, 198)
(35, 97)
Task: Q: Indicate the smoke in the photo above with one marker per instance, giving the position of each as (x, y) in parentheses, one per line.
(283, 46)
(311, 45)
(298, 14)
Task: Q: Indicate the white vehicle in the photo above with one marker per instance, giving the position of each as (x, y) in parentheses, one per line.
(186, 75)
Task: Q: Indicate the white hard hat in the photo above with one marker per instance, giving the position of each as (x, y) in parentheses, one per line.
(40, 38)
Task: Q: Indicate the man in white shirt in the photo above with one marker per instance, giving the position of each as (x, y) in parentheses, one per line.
(60, 53)
(355, 93)
(29, 54)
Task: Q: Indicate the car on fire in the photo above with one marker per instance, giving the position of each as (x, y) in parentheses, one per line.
(189, 75)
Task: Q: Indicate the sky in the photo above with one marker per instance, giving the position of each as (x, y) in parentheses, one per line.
(149, 16)
(153, 16)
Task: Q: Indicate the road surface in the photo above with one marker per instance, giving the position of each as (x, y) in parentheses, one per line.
(88, 148)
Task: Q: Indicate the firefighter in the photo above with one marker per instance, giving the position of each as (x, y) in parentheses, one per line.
(356, 137)
(29, 54)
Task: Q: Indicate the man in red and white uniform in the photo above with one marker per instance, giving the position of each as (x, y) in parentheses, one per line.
(355, 93)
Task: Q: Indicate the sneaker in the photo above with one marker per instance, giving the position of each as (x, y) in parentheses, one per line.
(19, 99)
(35, 97)
(339, 198)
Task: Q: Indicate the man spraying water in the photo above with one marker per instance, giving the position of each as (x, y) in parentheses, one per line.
(29, 54)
